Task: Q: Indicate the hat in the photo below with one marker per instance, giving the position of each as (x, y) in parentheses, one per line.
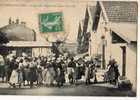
(58, 59)
(49, 59)
(53, 58)
(76, 58)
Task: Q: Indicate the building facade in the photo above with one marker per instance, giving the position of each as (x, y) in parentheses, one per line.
(113, 32)
(23, 39)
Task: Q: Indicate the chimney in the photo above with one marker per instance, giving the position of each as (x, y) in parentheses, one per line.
(34, 35)
(17, 21)
(23, 23)
(10, 21)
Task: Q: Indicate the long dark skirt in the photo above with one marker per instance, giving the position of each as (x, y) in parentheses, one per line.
(60, 79)
(8, 74)
(2, 72)
(26, 72)
(77, 74)
(33, 75)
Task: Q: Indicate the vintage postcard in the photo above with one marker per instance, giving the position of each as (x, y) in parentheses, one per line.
(68, 48)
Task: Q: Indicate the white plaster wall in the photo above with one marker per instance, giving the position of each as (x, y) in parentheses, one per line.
(131, 66)
(41, 52)
(114, 51)
(96, 39)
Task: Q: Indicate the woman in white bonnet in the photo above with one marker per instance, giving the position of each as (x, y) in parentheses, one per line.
(60, 73)
(32, 72)
(25, 71)
(49, 77)
(39, 74)
(87, 71)
(14, 76)
(20, 72)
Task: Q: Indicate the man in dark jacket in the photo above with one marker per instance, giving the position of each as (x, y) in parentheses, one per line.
(117, 74)
(71, 67)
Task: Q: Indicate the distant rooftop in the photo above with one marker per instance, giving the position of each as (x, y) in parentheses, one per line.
(28, 44)
(121, 11)
(16, 31)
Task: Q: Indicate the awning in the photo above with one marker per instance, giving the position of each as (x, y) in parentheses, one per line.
(36, 44)
(126, 31)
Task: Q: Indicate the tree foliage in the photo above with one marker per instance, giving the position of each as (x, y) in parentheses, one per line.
(3, 38)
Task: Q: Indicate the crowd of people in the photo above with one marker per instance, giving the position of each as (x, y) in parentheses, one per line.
(50, 71)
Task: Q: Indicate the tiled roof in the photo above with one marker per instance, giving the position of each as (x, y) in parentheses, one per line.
(121, 11)
(127, 31)
(18, 32)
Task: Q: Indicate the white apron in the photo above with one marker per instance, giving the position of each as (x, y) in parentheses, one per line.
(14, 77)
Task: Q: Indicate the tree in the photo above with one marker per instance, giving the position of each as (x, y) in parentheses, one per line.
(3, 38)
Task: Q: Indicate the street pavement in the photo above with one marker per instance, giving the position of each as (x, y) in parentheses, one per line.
(99, 89)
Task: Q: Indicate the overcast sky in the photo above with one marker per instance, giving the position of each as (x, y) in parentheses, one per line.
(28, 12)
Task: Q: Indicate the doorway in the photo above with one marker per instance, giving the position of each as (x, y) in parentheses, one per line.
(123, 48)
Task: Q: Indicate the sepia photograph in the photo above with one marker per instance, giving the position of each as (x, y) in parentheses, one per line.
(68, 48)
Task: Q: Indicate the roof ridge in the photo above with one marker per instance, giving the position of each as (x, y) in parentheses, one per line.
(119, 11)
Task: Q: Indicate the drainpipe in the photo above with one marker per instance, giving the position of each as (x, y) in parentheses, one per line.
(34, 35)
